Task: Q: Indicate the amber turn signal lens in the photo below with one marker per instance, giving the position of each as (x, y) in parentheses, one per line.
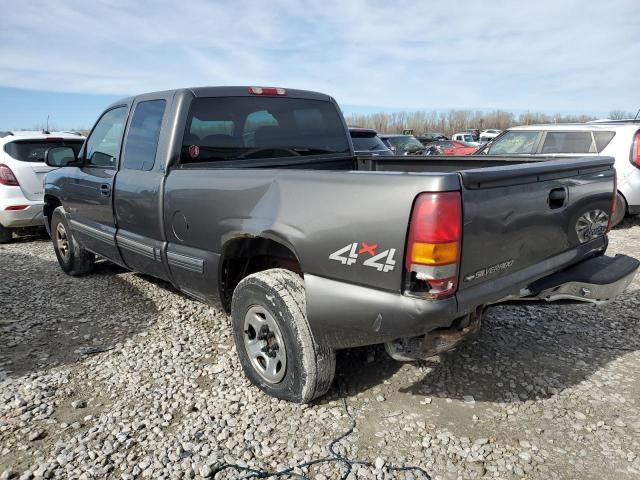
(434, 253)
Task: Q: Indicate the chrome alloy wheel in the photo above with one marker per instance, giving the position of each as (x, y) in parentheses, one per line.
(264, 344)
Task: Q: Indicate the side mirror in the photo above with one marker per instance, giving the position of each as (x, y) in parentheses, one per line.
(60, 156)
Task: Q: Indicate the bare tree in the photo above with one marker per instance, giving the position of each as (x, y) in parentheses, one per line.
(617, 114)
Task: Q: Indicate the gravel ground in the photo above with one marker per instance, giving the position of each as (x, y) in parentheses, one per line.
(116, 375)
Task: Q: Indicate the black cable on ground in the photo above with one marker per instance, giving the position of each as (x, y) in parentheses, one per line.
(334, 458)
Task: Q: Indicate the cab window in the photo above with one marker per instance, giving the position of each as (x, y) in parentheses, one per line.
(143, 134)
(103, 145)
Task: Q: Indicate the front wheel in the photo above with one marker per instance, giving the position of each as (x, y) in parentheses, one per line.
(72, 257)
(274, 342)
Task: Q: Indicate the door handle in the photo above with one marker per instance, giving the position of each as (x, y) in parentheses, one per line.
(557, 197)
(105, 190)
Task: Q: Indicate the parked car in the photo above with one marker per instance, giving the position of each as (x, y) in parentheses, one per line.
(618, 139)
(251, 199)
(430, 137)
(486, 135)
(402, 144)
(366, 142)
(475, 132)
(467, 138)
(22, 171)
(453, 147)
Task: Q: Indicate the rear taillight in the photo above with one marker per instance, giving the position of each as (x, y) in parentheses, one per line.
(267, 91)
(7, 177)
(614, 199)
(635, 150)
(14, 208)
(433, 244)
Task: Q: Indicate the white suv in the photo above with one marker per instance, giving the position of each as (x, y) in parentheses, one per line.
(22, 171)
(619, 139)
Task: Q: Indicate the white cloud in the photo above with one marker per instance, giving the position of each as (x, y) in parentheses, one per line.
(544, 55)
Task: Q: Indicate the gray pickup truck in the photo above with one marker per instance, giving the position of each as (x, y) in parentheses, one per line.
(251, 199)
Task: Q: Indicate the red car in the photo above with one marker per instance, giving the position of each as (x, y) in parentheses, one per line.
(453, 147)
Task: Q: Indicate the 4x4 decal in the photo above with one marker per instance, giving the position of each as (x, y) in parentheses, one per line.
(348, 255)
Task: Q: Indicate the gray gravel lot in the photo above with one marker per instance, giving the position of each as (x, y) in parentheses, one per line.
(116, 375)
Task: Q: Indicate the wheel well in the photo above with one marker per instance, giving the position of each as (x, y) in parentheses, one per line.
(244, 256)
(50, 204)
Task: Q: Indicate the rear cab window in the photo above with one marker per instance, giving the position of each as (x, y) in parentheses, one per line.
(143, 135)
(34, 150)
(237, 128)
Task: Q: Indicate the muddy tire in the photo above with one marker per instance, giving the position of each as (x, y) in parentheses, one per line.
(72, 257)
(274, 342)
(620, 211)
(5, 234)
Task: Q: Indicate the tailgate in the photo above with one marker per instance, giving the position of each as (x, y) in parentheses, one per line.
(525, 221)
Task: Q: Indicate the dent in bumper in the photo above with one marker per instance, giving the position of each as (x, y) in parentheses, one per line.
(344, 315)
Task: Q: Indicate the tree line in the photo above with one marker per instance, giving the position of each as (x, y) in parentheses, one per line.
(446, 123)
(454, 121)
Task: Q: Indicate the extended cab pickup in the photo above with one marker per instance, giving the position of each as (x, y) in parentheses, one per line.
(251, 199)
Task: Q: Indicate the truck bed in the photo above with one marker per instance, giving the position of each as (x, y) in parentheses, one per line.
(422, 164)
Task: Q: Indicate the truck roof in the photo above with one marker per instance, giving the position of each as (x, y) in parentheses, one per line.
(229, 91)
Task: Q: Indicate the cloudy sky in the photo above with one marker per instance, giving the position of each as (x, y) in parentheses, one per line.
(70, 58)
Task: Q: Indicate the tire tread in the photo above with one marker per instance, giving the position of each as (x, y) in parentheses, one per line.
(318, 361)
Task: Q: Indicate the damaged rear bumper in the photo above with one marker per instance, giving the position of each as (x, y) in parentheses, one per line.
(597, 280)
(344, 315)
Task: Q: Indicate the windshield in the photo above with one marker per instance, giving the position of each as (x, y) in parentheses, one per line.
(513, 142)
(367, 143)
(34, 150)
(407, 143)
(234, 128)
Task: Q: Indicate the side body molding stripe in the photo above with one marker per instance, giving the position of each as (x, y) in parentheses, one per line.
(139, 248)
(93, 232)
(185, 262)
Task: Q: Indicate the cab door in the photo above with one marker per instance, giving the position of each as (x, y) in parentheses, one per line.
(89, 202)
(138, 194)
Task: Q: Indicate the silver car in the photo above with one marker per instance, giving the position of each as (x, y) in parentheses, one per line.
(615, 138)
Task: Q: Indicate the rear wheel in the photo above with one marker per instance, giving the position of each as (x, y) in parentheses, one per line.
(72, 257)
(274, 342)
(5, 234)
(621, 210)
